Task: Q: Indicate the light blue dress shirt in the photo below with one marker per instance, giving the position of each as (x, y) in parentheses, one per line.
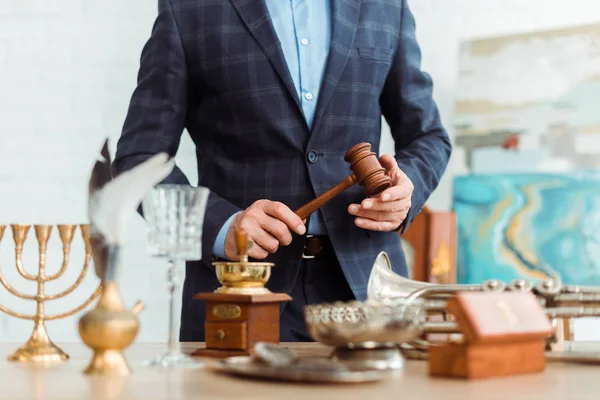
(304, 30)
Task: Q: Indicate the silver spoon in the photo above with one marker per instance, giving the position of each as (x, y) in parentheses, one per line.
(274, 355)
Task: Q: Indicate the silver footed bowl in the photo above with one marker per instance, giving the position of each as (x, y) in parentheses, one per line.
(369, 324)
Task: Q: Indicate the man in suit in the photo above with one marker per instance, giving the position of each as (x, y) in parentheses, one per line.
(273, 93)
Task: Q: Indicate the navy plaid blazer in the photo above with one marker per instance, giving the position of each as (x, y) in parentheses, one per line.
(216, 68)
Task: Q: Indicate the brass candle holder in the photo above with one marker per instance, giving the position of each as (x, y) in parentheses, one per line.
(242, 312)
(39, 347)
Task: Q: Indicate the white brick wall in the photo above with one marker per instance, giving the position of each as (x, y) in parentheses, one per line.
(67, 70)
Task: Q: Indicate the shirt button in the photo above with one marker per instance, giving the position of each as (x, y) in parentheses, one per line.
(304, 41)
(308, 96)
(312, 156)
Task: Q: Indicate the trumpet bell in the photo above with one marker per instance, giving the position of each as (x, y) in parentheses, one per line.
(386, 284)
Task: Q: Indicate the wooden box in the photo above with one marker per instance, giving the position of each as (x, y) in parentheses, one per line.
(503, 334)
(236, 322)
(432, 241)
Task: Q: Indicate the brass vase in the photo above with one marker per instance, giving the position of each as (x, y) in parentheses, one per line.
(108, 330)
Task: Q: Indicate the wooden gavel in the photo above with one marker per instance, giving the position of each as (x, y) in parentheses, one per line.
(368, 172)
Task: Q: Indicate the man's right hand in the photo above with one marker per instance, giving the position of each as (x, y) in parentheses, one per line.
(269, 224)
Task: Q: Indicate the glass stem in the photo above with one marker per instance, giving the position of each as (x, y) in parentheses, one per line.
(172, 283)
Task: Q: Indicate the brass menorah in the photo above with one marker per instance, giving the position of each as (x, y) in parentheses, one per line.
(39, 347)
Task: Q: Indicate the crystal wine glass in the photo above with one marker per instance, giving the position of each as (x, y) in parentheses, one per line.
(175, 216)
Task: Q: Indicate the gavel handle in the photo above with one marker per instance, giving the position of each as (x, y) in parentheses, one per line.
(312, 206)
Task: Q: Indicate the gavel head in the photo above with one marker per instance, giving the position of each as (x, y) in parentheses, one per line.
(367, 169)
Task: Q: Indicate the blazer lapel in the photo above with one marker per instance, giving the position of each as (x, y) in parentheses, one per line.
(255, 15)
(344, 23)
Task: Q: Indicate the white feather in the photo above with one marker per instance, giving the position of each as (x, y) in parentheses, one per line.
(111, 207)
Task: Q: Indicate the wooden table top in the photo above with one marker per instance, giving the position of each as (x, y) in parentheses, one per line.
(65, 381)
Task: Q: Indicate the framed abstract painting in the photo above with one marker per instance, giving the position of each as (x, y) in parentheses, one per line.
(531, 226)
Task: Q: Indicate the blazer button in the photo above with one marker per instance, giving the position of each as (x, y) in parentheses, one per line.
(312, 156)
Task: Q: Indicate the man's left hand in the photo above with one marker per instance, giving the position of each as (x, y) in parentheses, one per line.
(386, 211)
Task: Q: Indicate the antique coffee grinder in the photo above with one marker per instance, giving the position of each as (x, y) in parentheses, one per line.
(242, 312)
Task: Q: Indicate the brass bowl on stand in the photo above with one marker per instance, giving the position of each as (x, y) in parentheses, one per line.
(243, 277)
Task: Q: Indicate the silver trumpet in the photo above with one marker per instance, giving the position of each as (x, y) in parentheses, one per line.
(561, 303)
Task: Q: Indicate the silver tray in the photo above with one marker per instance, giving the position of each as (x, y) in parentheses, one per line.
(304, 370)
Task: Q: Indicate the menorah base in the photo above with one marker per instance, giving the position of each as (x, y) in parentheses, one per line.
(38, 352)
(108, 362)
